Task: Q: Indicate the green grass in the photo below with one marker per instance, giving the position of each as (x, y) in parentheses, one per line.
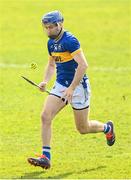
(103, 29)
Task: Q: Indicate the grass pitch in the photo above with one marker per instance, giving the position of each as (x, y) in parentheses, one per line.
(103, 29)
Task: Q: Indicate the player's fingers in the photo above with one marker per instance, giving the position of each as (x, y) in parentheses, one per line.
(64, 94)
(42, 89)
(69, 98)
(64, 99)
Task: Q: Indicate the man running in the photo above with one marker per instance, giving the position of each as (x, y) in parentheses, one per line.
(72, 85)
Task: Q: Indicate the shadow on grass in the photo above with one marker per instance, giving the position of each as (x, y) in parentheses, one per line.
(58, 176)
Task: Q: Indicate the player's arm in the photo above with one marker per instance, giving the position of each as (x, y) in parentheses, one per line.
(49, 71)
(73, 46)
(81, 69)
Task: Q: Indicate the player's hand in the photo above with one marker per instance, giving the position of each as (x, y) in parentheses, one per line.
(42, 86)
(68, 93)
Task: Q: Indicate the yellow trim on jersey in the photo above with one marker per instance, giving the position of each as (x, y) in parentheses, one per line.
(62, 56)
(76, 52)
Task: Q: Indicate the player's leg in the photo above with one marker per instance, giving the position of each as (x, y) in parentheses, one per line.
(84, 125)
(52, 106)
(80, 104)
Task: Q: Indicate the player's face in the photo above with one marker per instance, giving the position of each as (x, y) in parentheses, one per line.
(52, 30)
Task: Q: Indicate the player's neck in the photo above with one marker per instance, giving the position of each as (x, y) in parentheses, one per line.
(59, 35)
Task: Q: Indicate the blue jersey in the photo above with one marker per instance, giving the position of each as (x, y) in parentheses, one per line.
(63, 51)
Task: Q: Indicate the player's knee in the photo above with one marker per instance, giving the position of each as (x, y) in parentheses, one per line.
(45, 118)
(82, 130)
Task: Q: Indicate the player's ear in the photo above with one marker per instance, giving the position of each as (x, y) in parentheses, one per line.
(61, 24)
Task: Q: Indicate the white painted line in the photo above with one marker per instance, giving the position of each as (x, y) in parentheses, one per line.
(111, 69)
(4, 65)
(102, 69)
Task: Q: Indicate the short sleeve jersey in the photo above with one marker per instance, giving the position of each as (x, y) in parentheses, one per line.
(63, 51)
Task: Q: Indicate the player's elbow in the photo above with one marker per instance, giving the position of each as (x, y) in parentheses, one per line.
(84, 67)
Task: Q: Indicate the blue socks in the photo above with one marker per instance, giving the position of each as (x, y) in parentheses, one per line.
(46, 151)
(107, 128)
